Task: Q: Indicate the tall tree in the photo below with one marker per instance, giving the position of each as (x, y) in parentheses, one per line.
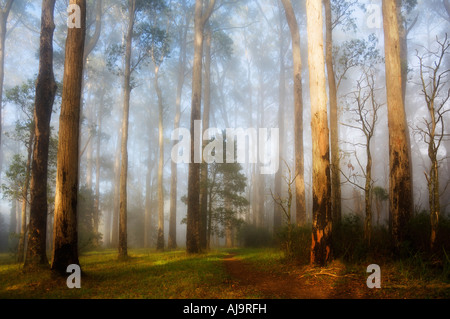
(172, 241)
(65, 234)
(322, 224)
(123, 246)
(334, 129)
(432, 82)
(205, 126)
(45, 96)
(400, 191)
(277, 211)
(5, 9)
(193, 205)
(300, 203)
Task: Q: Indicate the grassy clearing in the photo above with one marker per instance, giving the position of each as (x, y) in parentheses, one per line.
(176, 275)
(147, 274)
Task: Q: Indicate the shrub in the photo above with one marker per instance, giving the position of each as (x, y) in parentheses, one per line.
(252, 236)
(298, 246)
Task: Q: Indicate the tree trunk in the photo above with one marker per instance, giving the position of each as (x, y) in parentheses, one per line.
(334, 119)
(205, 126)
(45, 96)
(115, 212)
(4, 13)
(368, 196)
(26, 184)
(298, 115)
(193, 206)
(160, 239)
(65, 247)
(97, 171)
(281, 100)
(400, 192)
(322, 223)
(123, 247)
(148, 208)
(172, 241)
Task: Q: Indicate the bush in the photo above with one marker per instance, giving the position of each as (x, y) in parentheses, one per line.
(298, 246)
(251, 236)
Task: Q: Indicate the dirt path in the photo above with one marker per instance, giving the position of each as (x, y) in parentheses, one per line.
(270, 285)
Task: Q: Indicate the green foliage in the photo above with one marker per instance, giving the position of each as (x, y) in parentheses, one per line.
(295, 242)
(87, 238)
(348, 239)
(3, 234)
(252, 236)
(15, 178)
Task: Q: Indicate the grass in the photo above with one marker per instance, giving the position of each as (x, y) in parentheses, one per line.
(147, 274)
(177, 275)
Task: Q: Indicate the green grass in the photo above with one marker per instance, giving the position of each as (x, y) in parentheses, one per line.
(147, 274)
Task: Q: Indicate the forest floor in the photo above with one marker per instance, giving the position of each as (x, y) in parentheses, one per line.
(220, 274)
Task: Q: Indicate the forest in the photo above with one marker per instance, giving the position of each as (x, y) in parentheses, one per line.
(225, 149)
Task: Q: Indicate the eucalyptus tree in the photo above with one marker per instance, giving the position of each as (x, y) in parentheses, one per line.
(201, 17)
(65, 233)
(298, 114)
(321, 252)
(23, 97)
(400, 177)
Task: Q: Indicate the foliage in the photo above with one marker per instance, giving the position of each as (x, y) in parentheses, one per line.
(227, 183)
(15, 178)
(252, 236)
(86, 235)
(295, 242)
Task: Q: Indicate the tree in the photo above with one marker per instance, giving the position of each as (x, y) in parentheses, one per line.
(322, 224)
(226, 200)
(123, 246)
(5, 9)
(285, 204)
(183, 29)
(334, 129)
(205, 126)
(366, 108)
(24, 133)
(298, 114)
(45, 95)
(400, 187)
(157, 42)
(65, 234)
(432, 131)
(193, 205)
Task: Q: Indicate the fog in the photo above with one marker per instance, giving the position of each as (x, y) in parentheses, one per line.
(249, 39)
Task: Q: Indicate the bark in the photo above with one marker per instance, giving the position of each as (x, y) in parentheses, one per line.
(25, 188)
(205, 126)
(96, 217)
(193, 209)
(4, 13)
(322, 224)
(298, 115)
(172, 241)
(334, 119)
(115, 212)
(368, 196)
(123, 248)
(403, 30)
(65, 234)
(148, 209)
(160, 238)
(400, 192)
(45, 96)
(281, 100)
